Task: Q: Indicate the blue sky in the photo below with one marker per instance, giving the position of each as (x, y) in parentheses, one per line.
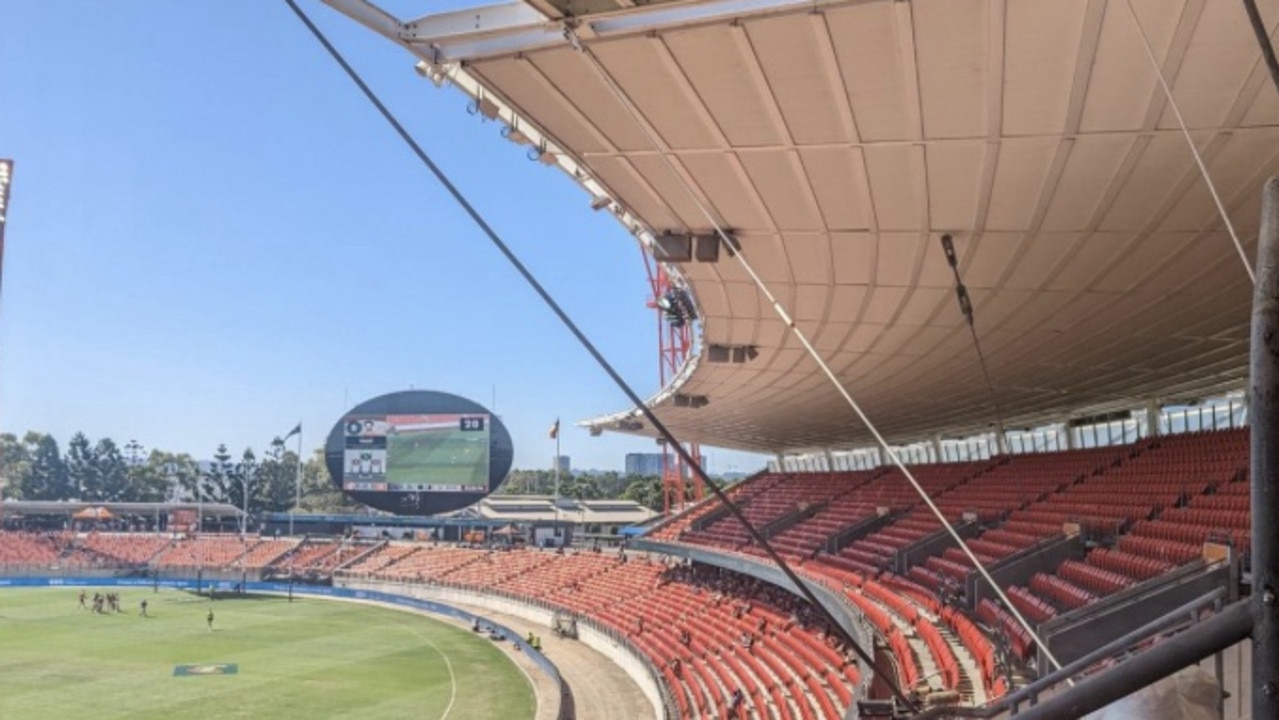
(212, 235)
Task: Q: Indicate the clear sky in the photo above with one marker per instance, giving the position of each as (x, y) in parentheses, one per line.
(212, 235)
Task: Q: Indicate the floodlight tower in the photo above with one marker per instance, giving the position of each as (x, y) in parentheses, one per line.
(674, 345)
(6, 176)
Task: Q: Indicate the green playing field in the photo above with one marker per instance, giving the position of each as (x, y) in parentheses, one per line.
(442, 457)
(306, 659)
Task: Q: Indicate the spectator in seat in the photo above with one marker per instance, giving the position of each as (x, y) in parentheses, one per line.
(734, 704)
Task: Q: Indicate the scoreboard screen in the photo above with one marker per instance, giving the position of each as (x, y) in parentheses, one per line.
(416, 453)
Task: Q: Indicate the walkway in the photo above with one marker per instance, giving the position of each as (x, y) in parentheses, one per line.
(601, 690)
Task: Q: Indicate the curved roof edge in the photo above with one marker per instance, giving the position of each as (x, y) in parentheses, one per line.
(624, 420)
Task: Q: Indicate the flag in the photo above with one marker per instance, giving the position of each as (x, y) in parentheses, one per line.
(555, 429)
(295, 431)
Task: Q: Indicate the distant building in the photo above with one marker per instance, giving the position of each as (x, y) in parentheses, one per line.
(650, 463)
(643, 463)
(564, 463)
(534, 516)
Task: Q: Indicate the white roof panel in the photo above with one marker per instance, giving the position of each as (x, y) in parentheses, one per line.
(838, 139)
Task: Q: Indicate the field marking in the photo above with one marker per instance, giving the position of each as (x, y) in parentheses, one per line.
(447, 663)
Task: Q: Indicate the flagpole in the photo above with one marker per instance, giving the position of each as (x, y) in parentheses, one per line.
(297, 483)
(556, 467)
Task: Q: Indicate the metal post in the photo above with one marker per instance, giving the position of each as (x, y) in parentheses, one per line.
(1264, 404)
(556, 501)
(297, 483)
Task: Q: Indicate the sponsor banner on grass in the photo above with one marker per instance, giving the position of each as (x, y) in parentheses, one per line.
(206, 669)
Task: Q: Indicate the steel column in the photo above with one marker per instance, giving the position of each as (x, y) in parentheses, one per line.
(1264, 406)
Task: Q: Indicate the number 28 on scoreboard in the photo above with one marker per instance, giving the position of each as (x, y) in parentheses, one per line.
(471, 424)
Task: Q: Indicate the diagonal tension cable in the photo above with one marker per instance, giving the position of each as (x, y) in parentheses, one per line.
(590, 348)
(1190, 143)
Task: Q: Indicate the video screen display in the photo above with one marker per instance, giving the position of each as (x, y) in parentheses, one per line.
(416, 453)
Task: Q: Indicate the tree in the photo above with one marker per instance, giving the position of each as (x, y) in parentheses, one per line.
(529, 482)
(110, 471)
(611, 484)
(582, 487)
(15, 464)
(645, 490)
(47, 478)
(242, 485)
(133, 454)
(277, 476)
(319, 493)
(154, 480)
(215, 481)
(81, 468)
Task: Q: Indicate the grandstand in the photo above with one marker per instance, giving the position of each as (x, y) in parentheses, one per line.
(1084, 541)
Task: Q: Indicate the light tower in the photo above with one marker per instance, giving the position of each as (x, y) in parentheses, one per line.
(674, 345)
(6, 175)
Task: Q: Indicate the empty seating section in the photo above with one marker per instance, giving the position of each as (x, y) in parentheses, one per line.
(264, 551)
(788, 495)
(1138, 492)
(306, 555)
(371, 562)
(894, 493)
(1097, 580)
(563, 576)
(1146, 508)
(1062, 593)
(222, 551)
(430, 562)
(1031, 606)
(1018, 481)
(496, 568)
(845, 507)
(204, 551)
(1134, 566)
(742, 492)
(125, 548)
(876, 551)
(21, 548)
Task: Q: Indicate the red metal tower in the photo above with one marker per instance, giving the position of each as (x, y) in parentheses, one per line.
(680, 484)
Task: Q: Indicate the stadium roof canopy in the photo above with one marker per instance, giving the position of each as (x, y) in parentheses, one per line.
(71, 507)
(838, 140)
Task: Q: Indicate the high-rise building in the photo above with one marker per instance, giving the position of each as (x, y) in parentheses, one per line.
(643, 463)
(650, 463)
(564, 463)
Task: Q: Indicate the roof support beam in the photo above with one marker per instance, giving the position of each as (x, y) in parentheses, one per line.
(510, 28)
(471, 22)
